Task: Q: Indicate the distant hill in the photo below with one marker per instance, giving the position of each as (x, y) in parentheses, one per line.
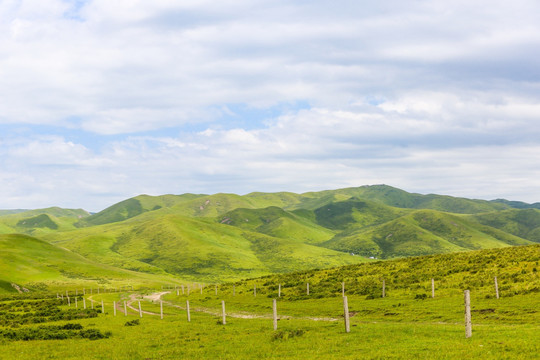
(422, 232)
(517, 204)
(227, 236)
(40, 221)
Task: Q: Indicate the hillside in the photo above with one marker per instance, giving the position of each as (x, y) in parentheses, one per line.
(36, 265)
(40, 221)
(517, 269)
(195, 248)
(422, 232)
(227, 236)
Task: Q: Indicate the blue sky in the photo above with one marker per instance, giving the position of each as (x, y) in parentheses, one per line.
(104, 100)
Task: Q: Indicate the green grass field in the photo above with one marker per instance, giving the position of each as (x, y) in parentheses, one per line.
(407, 323)
(431, 328)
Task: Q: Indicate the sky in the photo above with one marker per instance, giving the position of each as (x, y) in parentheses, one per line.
(104, 100)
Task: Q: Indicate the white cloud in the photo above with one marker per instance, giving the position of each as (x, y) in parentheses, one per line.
(434, 96)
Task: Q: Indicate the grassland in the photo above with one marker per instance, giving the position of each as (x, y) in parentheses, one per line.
(405, 324)
(37, 265)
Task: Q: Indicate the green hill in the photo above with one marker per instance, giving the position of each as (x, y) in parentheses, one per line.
(37, 264)
(195, 248)
(355, 212)
(132, 207)
(193, 205)
(227, 236)
(522, 223)
(40, 221)
(279, 223)
(422, 232)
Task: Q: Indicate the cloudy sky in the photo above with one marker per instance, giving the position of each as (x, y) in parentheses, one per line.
(103, 100)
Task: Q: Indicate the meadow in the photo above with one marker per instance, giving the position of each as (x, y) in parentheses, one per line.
(406, 323)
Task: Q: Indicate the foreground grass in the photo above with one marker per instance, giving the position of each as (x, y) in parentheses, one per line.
(399, 328)
(203, 338)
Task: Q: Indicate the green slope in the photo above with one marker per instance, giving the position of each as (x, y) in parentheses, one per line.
(218, 204)
(423, 232)
(37, 264)
(522, 223)
(41, 221)
(132, 207)
(195, 248)
(399, 198)
(515, 267)
(355, 212)
(277, 222)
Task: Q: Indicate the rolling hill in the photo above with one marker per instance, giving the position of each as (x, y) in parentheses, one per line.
(37, 265)
(224, 237)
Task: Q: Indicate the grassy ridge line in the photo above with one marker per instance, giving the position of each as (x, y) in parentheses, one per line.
(37, 265)
(215, 205)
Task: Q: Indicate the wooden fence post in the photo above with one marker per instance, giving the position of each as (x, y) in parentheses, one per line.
(69, 301)
(223, 311)
(125, 308)
(114, 307)
(274, 312)
(84, 302)
(76, 304)
(140, 310)
(343, 288)
(102, 307)
(279, 291)
(346, 314)
(496, 288)
(307, 288)
(433, 288)
(468, 325)
(216, 290)
(187, 309)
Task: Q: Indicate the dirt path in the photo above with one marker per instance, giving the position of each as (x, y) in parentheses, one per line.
(154, 297)
(238, 315)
